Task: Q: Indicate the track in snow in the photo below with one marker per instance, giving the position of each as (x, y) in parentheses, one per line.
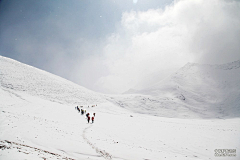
(103, 153)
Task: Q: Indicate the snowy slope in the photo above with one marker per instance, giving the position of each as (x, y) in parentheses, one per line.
(20, 77)
(37, 121)
(37, 114)
(208, 84)
(194, 91)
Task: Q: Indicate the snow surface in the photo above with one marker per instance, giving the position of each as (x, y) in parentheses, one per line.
(38, 119)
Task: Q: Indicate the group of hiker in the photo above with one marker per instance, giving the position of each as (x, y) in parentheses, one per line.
(88, 117)
(82, 111)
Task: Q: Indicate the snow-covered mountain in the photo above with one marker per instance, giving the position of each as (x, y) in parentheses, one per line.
(16, 76)
(38, 119)
(195, 90)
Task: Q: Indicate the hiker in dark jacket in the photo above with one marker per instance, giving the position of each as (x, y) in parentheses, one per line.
(87, 115)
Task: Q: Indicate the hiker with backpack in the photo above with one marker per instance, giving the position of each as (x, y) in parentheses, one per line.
(78, 109)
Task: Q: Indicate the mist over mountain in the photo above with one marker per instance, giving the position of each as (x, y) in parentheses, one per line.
(194, 91)
(202, 89)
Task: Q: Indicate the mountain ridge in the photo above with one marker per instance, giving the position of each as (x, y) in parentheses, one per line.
(17, 76)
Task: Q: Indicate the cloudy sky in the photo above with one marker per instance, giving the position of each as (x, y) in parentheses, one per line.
(111, 46)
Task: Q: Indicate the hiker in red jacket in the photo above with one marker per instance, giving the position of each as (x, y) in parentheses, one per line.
(88, 118)
(92, 119)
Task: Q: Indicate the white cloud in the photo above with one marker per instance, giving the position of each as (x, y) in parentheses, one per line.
(135, 1)
(159, 41)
